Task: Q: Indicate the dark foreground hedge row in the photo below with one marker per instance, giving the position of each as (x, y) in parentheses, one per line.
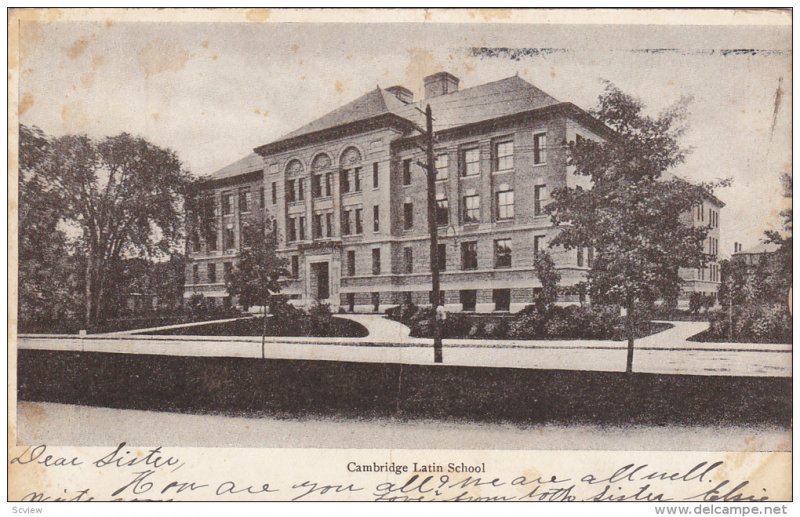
(292, 388)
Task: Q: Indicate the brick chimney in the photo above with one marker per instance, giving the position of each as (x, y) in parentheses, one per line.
(440, 83)
(405, 95)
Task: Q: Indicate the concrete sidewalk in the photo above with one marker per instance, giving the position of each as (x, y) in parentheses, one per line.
(708, 359)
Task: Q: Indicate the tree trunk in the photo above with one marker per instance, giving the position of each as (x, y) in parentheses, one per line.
(88, 290)
(629, 332)
(264, 331)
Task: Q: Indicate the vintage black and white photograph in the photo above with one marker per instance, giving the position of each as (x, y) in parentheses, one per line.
(489, 232)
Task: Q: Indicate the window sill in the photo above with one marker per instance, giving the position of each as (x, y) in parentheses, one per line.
(469, 176)
(540, 164)
(352, 193)
(504, 171)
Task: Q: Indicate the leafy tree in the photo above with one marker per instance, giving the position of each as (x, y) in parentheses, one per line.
(632, 214)
(549, 277)
(123, 194)
(260, 273)
(47, 283)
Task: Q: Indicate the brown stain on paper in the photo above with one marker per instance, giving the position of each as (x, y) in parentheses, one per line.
(159, 56)
(74, 117)
(25, 103)
(338, 86)
(490, 14)
(421, 64)
(258, 15)
(78, 48)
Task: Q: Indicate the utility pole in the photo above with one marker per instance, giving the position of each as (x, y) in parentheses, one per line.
(433, 229)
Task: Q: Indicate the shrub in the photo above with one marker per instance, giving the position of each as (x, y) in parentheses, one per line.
(768, 323)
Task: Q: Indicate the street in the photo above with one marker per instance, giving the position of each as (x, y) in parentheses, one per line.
(63, 424)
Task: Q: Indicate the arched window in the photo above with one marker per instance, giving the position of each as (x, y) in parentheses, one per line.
(350, 156)
(320, 161)
(294, 166)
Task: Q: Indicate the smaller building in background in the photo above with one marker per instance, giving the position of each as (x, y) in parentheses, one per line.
(755, 255)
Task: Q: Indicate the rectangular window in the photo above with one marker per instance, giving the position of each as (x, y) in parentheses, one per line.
(505, 204)
(329, 224)
(472, 209)
(261, 199)
(212, 273)
(291, 230)
(227, 269)
(502, 253)
(290, 191)
(195, 274)
(580, 256)
(229, 238)
(295, 266)
(471, 159)
(301, 228)
(441, 256)
(316, 226)
(442, 212)
(351, 263)
(346, 222)
(359, 221)
(539, 192)
(537, 245)
(501, 299)
(227, 204)
(540, 148)
(442, 163)
(212, 239)
(407, 172)
(408, 260)
(344, 179)
(301, 195)
(469, 255)
(376, 218)
(351, 301)
(195, 240)
(504, 155)
(590, 256)
(316, 185)
(408, 215)
(244, 235)
(244, 200)
(274, 192)
(468, 299)
(376, 261)
(376, 302)
(357, 179)
(328, 177)
(375, 175)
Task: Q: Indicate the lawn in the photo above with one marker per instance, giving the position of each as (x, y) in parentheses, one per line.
(300, 326)
(298, 388)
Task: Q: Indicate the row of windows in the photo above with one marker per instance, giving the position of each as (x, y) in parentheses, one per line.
(503, 252)
(469, 163)
(713, 273)
(470, 208)
(699, 213)
(321, 184)
(211, 270)
(501, 298)
(713, 246)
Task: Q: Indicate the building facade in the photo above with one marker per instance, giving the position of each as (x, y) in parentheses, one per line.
(348, 195)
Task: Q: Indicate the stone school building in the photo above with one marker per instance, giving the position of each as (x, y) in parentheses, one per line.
(348, 195)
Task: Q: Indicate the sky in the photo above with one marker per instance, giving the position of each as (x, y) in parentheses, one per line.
(214, 91)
